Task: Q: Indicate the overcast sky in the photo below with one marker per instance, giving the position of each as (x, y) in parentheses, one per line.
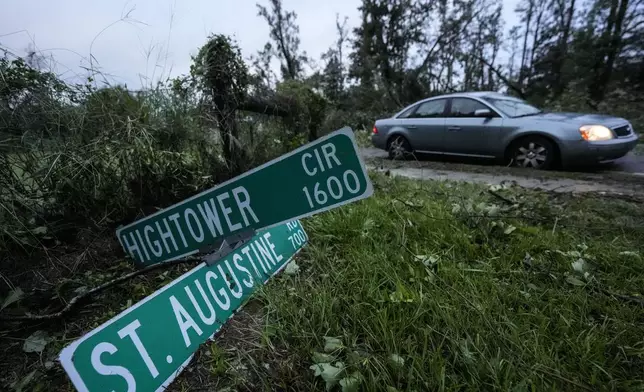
(160, 35)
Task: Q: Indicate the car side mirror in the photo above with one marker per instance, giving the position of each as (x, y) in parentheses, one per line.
(487, 113)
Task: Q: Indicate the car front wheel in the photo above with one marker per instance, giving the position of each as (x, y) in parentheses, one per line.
(533, 152)
(399, 148)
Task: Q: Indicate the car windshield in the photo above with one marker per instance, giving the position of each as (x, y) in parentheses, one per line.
(512, 107)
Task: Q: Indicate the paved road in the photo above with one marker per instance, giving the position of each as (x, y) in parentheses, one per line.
(631, 163)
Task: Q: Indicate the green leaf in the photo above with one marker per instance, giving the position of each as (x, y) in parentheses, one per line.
(332, 344)
(317, 368)
(292, 268)
(574, 281)
(572, 253)
(36, 342)
(509, 229)
(19, 386)
(530, 230)
(579, 266)
(492, 210)
(396, 360)
(351, 383)
(427, 260)
(14, 296)
(42, 230)
(322, 357)
(329, 373)
(367, 226)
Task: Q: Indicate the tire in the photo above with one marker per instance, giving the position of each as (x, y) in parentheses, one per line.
(399, 148)
(533, 152)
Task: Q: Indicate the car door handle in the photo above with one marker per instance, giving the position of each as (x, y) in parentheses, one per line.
(454, 128)
(411, 126)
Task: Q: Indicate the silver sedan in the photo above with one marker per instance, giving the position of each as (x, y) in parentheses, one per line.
(508, 129)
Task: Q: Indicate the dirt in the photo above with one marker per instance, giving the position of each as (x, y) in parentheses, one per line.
(555, 185)
(50, 277)
(235, 360)
(230, 358)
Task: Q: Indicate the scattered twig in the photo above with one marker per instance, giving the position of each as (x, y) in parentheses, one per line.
(517, 216)
(554, 227)
(500, 197)
(408, 204)
(74, 301)
(627, 298)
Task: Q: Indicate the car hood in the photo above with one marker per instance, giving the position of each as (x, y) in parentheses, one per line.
(579, 118)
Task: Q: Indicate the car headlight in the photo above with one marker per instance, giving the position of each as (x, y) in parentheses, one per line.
(593, 133)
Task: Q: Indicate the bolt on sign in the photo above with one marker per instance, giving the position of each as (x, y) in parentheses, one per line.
(321, 175)
(146, 346)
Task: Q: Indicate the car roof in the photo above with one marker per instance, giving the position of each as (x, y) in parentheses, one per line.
(472, 94)
(477, 94)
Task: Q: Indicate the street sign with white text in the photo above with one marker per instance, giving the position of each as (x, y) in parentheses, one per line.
(321, 175)
(146, 346)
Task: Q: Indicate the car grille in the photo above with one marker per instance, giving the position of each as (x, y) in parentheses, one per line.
(624, 130)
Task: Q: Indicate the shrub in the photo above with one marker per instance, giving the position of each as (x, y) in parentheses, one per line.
(76, 156)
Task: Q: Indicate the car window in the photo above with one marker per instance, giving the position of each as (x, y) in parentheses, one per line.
(465, 107)
(428, 109)
(512, 107)
(408, 112)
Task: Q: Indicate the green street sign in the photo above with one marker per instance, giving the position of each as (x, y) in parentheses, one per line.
(321, 175)
(146, 346)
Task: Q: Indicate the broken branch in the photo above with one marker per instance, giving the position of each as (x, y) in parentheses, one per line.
(505, 80)
(74, 301)
(501, 197)
(627, 298)
(276, 106)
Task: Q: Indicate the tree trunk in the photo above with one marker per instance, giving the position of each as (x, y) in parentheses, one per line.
(229, 131)
(535, 42)
(612, 44)
(562, 47)
(525, 43)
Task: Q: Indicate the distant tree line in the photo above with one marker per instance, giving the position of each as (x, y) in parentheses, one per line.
(404, 50)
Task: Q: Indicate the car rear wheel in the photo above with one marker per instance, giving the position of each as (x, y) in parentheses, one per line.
(399, 148)
(533, 152)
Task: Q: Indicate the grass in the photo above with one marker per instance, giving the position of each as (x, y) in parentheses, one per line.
(363, 137)
(424, 286)
(429, 286)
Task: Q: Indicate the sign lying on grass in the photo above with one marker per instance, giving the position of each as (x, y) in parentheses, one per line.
(316, 177)
(145, 347)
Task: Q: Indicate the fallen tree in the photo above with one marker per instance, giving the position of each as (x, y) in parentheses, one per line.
(223, 77)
